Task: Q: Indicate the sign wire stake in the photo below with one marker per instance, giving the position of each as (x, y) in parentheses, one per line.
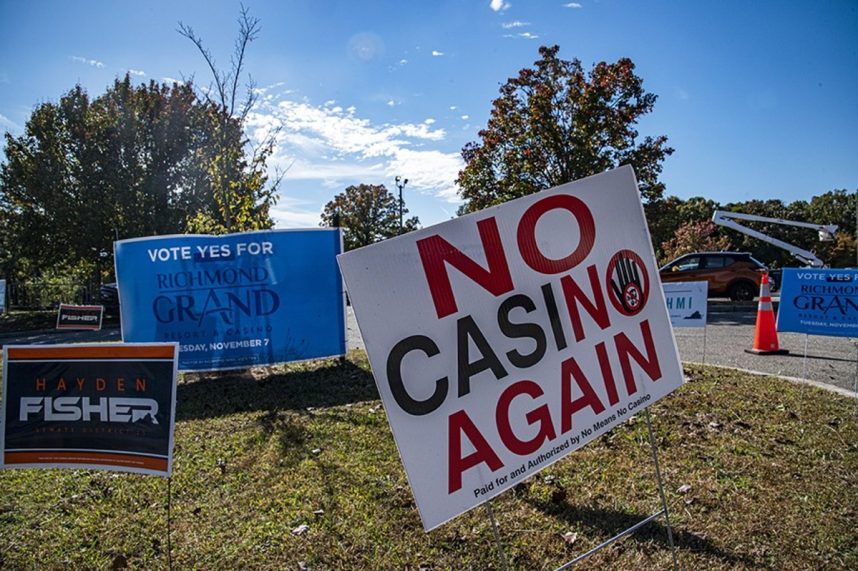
(661, 489)
(496, 532)
(704, 343)
(169, 525)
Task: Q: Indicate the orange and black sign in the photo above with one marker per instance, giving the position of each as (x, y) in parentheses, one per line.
(80, 317)
(106, 406)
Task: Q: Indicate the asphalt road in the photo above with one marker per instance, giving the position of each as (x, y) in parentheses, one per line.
(830, 360)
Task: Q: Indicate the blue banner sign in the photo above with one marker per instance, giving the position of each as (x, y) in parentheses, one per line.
(236, 300)
(819, 302)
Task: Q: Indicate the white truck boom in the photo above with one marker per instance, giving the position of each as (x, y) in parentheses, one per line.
(826, 233)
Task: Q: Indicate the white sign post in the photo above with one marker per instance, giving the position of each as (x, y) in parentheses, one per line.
(687, 303)
(503, 340)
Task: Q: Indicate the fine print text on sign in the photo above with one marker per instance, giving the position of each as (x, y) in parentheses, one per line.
(819, 302)
(237, 300)
(80, 317)
(105, 406)
(687, 303)
(503, 340)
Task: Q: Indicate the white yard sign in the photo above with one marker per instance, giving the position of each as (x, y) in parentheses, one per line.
(686, 303)
(2, 296)
(503, 340)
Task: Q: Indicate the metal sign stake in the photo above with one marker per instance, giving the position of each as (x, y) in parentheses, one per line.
(501, 555)
(661, 489)
(169, 525)
(704, 343)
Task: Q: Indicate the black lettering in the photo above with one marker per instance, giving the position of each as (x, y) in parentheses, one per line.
(394, 376)
(521, 331)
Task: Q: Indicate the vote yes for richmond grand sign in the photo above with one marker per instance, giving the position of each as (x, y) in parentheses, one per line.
(503, 340)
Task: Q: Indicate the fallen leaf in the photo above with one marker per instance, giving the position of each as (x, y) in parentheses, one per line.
(570, 537)
(683, 489)
(301, 529)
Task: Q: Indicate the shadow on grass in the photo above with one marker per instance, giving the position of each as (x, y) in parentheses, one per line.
(332, 383)
(611, 522)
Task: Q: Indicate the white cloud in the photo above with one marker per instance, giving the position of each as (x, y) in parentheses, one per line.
(465, 117)
(137, 72)
(92, 62)
(7, 123)
(436, 53)
(403, 61)
(515, 24)
(338, 147)
(525, 35)
(572, 5)
(453, 107)
(172, 80)
(499, 5)
(391, 103)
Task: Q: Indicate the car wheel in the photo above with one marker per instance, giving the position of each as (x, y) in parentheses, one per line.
(742, 291)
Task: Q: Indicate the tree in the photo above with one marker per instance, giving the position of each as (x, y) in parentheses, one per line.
(368, 213)
(242, 190)
(134, 161)
(554, 123)
(693, 237)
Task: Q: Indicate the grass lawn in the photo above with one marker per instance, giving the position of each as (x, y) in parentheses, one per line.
(772, 469)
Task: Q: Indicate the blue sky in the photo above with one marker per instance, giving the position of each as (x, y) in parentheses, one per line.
(759, 99)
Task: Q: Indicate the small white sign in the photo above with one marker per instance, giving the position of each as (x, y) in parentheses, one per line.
(2, 296)
(503, 340)
(687, 303)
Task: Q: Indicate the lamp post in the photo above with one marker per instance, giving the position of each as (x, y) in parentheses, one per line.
(400, 184)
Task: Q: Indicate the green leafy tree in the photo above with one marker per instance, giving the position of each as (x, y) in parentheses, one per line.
(132, 162)
(554, 123)
(367, 213)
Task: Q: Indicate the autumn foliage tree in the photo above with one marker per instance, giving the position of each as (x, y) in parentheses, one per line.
(694, 237)
(367, 213)
(554, 123)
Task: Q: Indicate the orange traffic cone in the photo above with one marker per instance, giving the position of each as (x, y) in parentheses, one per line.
(766, 335)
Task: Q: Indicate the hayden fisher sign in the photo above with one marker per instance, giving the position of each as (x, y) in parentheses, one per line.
(80, 317)
(105, 406)
(819, 302)
(686, 303)
(237, 300)
(503, 340)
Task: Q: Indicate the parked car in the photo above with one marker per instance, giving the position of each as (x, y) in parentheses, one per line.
(108, 296)
(736, 275)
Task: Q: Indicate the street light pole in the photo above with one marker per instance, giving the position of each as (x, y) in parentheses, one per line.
(400, 184)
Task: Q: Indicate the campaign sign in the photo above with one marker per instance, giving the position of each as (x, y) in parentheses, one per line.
(503, 340)
(237, 300)
(104, 406)
(819, 301)
(686, 303)
(2, 296)
(80, 317)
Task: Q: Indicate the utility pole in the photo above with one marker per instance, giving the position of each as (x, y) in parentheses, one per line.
(400, 184)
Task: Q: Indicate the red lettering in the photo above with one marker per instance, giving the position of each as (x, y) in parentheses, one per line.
(626, 349)
(100, 384)
(436, 252)
(40, 384)
(570, 369)
(575, 295)
(461, 424)
(61, 384)
(540, 415)
(140, 385)
(607, 373)
(529, 248)
(80, 382)
(120, 384)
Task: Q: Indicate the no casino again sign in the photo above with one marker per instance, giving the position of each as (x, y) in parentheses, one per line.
(505, 339)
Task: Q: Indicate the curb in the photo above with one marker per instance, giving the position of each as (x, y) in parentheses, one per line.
(831, 388)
